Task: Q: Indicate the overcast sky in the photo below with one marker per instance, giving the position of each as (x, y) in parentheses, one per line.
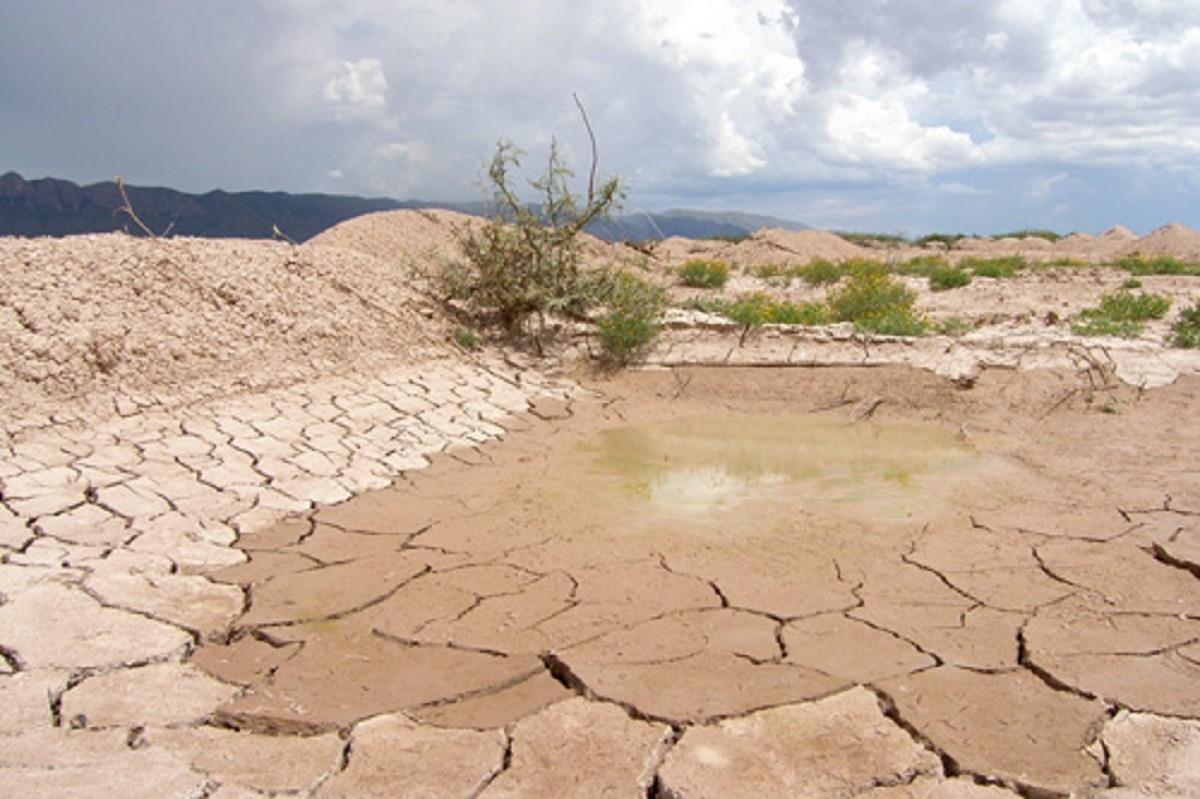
(887, 115)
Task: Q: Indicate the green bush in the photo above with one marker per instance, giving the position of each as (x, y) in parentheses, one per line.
(524, 263)
(923, 265)
(1029, 233)
(467, 339)
(952, 326)
(1138, 264)
(820, 272)
(1003, 266)
(944, 278)
(1121, 313)
(630, 320)
(699, 273)
(759, 308)
(948, 239)
(1068, 261)
(872, 239)
(1186, 330)
(877, 303)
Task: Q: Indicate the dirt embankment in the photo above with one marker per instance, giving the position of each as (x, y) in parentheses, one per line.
(89, 320)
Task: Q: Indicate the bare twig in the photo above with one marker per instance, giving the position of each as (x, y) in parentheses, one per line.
(279, 234)
(128, 209)
(591, 195)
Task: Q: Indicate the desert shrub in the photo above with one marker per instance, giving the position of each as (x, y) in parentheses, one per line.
(1068, 261)
(1138, 264)
(999, 267)
(700, 273)
(922, 265)
(864, 266)
(943, 278)
(1132, 283)
(952, 326)
(877, 303)
(872, 239)
(821, 271)
(467, 339)
(525, 262)
(759, 308)
(630, 319)
(731, 238)
(1185, 332)
(1121, 313)
(948, 239)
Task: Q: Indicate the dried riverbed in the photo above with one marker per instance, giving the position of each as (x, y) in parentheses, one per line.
(681, 581)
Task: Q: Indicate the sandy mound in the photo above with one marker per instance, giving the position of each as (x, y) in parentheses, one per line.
(1174, 239)
(85, 318)
(788, 247)
(677, 249)
(422, 239)
(1118, 234)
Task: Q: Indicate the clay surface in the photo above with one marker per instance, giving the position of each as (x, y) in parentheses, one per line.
(266, 536)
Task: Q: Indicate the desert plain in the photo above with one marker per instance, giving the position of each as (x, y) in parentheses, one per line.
(266, 529)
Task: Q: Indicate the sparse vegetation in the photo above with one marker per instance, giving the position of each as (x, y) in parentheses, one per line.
(922, 265)
(1067, 261)
(1139, 264)
(872, 239)
(1132, 283)
(732, 238)
(944, 278)
(877, 303)
(999, 267)
(704, 274)
(524, 264)
(820, 272)
(948, 239)
(1030, 233)
(467, 339)
(759, 308)
(1185, 332)
(1121, 313)
(630, 320)
(952, 326)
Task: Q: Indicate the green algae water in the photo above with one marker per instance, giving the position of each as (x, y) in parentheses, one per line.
(701, 464)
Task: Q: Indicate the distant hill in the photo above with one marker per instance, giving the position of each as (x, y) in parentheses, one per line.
(54, 207)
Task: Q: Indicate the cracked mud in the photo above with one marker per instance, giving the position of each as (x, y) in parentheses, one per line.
(688, 583)
(766, 582)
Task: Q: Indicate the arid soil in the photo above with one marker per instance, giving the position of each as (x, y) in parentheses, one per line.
(88, 322)
(264, 531)
(1001, 612)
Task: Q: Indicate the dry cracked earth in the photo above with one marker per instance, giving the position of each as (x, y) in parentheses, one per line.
(690, 582)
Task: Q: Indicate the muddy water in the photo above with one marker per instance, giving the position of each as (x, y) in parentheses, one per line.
(701, 465)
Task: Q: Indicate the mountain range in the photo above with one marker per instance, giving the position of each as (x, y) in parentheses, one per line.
(55, 207)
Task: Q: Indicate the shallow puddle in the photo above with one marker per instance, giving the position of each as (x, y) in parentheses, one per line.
(708, 464)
